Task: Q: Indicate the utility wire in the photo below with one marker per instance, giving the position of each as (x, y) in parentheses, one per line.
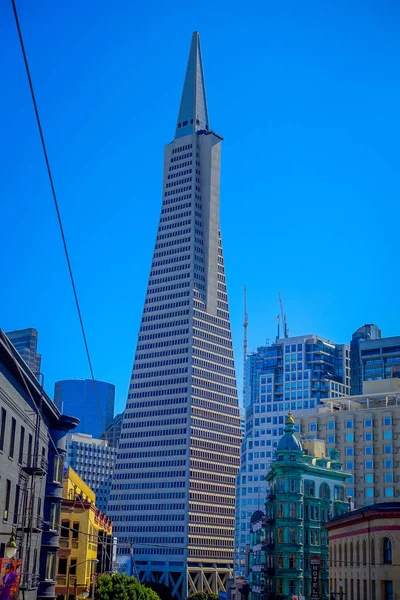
(53, 191)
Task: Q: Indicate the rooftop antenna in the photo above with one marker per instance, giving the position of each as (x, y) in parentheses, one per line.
(283, 318)
(245, 325)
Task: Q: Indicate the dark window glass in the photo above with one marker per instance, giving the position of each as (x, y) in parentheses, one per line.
(21, 445)
(75, 532)
(12, 437)
(16, 504)
(387, 551)
(7, 500)
(62, 566)
(2, 427)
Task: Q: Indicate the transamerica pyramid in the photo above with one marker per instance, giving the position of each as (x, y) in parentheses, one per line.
(173, 494)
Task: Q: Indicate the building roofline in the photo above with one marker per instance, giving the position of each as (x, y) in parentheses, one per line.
(381, 510)
(10, 357)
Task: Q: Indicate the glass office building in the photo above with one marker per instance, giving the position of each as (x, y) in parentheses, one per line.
(92, 402)
(292, 374)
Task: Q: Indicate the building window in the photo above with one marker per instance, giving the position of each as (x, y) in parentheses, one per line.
(292, 587)
(369, 450)
(293, 510)
(372, 551)
(389, 492)
(7, 500)
(369, 492)
(58, 468)
(281, 485)
(280, 561)
(280, 586)
(331, 438)
(331, 425)
(55, 510)
(292, 536)
(388, 591)
(369, 464)
(65, 526)
(72, 566)
(364, 552)
(368, 422)
(280, 512)
(387, 420)
(368, 437)
(349, 424)
(313, 427)
(369, 478)
(50, 566)
(358, 554)
(12, 437)
(292, 561)
(324, 491)
(2, 428)
(16, 504)
(388, 449)
(388, 463)
(387, 434)
(280, 535)
(339, 493)
(387, 551)
(75, 531)
(349, 451)
(345, 554)
(388, 477)
(21, 445)
(292, 485)
(349, 465)
(62, 566)
(349, 437)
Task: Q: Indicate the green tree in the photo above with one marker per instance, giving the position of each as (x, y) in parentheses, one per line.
(202, 596)
(121, 587)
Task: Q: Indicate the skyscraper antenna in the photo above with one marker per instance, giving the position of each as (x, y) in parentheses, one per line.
(245, 325)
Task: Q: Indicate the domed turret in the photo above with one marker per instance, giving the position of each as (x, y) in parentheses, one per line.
(289, 441)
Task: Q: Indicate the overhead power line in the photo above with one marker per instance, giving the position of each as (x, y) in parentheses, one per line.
(53, 191)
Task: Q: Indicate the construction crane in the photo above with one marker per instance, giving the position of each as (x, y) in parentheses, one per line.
(245, 325)
(283, 318)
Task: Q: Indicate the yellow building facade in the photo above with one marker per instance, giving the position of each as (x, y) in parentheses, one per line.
(364, 553)
(86, 538)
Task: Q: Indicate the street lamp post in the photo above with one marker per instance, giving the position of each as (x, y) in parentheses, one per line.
(92, 560)
(11, 546)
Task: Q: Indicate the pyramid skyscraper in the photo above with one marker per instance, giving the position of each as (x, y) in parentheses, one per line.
(173, 495)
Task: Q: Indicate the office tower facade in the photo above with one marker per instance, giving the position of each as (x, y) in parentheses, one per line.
(290, 541)
(25, 342)
(173, 494)
(380, 359)
(366, 431)
(92, 402)
(94, 462)
(366, 332)
(112, 433)
(293, 374)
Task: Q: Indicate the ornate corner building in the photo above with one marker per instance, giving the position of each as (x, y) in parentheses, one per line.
(289, 542)
(173, 494)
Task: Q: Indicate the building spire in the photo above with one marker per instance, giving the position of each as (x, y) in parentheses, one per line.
(193, 115)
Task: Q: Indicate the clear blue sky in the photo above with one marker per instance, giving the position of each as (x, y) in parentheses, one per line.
(306, 95)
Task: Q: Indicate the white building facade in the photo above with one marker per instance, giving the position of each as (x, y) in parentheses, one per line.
(173, 495)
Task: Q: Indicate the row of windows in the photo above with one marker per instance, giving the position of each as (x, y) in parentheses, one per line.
(164, 334)
(146, 496)
(157, 423)
(144, 434)
(158, 383)
(155, 374)
(188, 163)
(337, 558)
(174, 200)
(168, 306)
(160, 363)
(165, 297)
(209, 424)
(149, 518)
(143, 508)
(154, 453)
(170, 234)
(166, 288)
(167, 261)
(178, 342)
(211, 375)
(156, 413)
(148, 485)
(180, 173)
(153, 443)
(150, 465)
(173, 400)
(186, 188)
(179, 182)
(216, 465)
(176, 277)
(164, 325)
(182, 149)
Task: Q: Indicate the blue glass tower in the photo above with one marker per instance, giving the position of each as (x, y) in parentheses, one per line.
(92, 403)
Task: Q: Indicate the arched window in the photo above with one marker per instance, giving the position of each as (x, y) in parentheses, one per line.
(358, 554)
(364, 552)
(351, 554)
(330, 556)
(334, 557)
(280, 535)
(345, 555)
(372, 551)
(280, 514)
(324, 491)
(387, 551)
(292, 561)
(340, 555)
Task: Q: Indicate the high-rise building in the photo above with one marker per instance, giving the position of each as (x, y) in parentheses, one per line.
(289, 543)
(25, 341)
(294, 374)
(366, 431)
(366, 332)
(91, 401)
(173, 494)
(380, 359)
(112, 433)
(94, 461)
